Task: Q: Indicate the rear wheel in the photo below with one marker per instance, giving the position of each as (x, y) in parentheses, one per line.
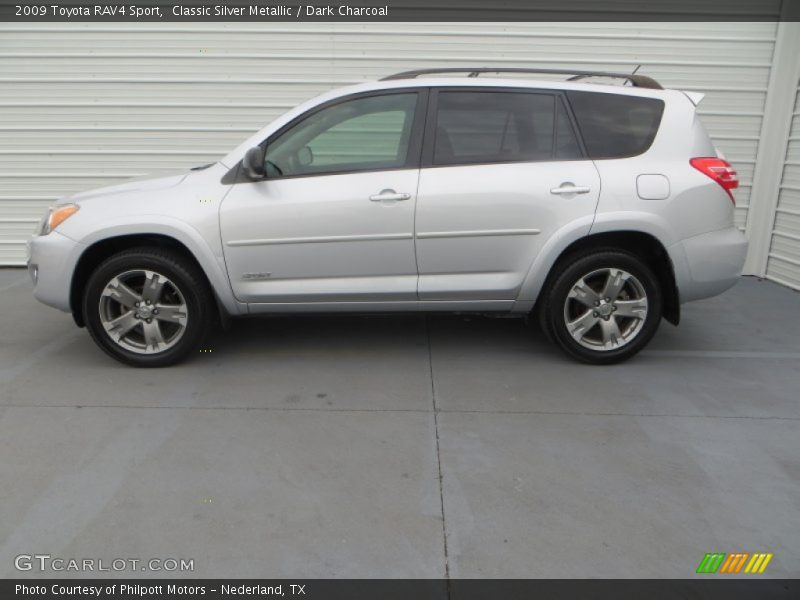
(602, 308)
(147, 307)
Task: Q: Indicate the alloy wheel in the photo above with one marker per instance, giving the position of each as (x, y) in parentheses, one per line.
(605, 309)
(143, 311)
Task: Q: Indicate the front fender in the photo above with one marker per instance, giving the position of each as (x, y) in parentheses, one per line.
(212, 263)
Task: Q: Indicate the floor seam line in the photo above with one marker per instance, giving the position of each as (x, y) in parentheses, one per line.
(436, 410)
(438, 456)
(637, 415)
(226, 408)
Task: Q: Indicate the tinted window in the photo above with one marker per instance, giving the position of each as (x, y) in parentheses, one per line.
(489, 127)
(614, 125)
(361, 134)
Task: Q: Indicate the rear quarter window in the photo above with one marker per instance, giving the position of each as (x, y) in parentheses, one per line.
(615, 125)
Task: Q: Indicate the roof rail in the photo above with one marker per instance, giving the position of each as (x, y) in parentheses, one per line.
(642, 81)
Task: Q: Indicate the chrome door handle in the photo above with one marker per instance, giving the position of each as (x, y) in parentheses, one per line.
(389, 195)
(570, 188)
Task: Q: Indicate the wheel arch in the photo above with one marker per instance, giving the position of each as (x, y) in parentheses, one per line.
(99, 250)
(643, 245)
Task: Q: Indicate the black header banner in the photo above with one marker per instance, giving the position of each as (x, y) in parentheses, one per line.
(111, 11)
(399, 589)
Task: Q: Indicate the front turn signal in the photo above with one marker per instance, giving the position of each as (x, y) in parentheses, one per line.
(57, 215)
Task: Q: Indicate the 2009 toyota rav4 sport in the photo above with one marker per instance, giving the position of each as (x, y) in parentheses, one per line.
(596, 208)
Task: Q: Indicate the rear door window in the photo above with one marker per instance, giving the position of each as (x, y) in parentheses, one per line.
(614, 125)
(473, 127)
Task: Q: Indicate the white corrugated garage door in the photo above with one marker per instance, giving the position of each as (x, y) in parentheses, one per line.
(783, 264)
(88, 105)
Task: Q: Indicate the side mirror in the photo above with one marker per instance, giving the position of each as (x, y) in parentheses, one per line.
(253, 163)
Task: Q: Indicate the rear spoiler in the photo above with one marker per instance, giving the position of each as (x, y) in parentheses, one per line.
(694, 97)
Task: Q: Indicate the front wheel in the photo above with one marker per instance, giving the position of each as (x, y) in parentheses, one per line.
(147, 307)
(602, 308)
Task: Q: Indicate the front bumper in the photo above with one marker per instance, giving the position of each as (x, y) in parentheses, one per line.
(51, 263)
(708, 264)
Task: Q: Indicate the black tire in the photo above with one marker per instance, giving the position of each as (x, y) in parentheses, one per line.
(182, 274)
(553, 312)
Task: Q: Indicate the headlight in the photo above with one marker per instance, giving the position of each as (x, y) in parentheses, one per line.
(56, 216)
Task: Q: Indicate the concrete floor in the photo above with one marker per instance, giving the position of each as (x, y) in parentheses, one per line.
(312, 447)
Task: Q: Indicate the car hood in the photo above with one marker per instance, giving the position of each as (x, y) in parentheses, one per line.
(136, 185)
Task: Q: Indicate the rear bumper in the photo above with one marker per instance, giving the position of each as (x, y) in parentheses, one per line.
(51, 263)
(708, 264)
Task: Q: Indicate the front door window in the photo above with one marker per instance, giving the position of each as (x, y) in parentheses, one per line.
(365, 134)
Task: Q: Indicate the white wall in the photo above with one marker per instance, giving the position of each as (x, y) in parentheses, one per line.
(85, 105)
(783, 261)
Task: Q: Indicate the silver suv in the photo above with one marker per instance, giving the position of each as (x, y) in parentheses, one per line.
(597, 209)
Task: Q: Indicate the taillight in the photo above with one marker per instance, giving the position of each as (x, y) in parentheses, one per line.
(720, 171)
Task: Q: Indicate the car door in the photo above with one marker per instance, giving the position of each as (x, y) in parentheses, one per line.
(333, 219)
(503, 170)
